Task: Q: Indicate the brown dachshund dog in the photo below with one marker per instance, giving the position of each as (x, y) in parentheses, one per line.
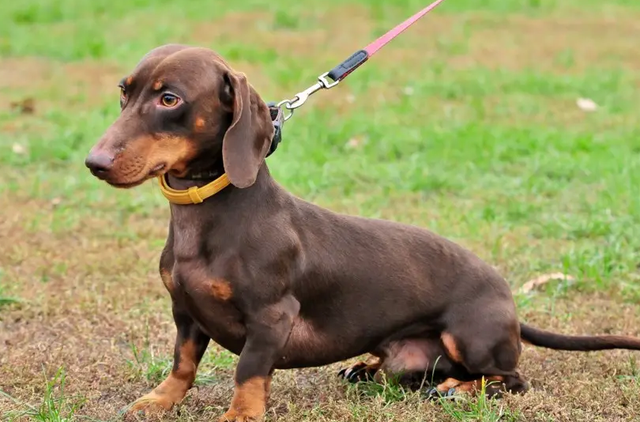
(284, 283)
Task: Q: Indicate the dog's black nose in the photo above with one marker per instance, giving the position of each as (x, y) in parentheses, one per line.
(99, 163)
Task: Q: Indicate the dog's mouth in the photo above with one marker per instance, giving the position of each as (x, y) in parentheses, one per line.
(158, 170)
(127, 185)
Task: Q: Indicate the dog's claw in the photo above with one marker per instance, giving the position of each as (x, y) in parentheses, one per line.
(349, 374)
(434, 393)
(357, 373)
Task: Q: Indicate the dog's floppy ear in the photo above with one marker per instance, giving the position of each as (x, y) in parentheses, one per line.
(248, 139)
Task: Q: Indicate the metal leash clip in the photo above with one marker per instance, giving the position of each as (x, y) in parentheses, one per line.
(354, 61)
(301, 97)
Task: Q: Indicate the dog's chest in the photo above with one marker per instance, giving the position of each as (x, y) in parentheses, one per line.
(209, 301)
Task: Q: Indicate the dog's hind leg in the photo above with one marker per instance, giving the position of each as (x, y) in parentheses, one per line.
(492, 355)
(410, 361)
(493, 386)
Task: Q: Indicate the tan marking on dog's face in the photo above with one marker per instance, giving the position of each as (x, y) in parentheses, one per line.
(221, 289)
(249, 400)
(174, 151)
(450, 346)
(167, 279)
(199, 125)
(149, 139)
(149, 156)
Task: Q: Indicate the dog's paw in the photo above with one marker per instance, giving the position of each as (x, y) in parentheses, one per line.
(238, 416)
(359, 372)
(153, 404)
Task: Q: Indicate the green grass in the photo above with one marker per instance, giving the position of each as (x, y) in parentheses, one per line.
(148, 365)
(480, 409)
(466, 125)
(153, 368)
(5, 298)
(152, 365)
(56, 405)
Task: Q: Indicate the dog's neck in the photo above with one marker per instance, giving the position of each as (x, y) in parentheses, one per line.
(200, 173)
(195, 178)
(263, 186)
(225, 211)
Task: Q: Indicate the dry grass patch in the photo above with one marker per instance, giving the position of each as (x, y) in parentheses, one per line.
(556, 44)
(553, 43)
(95, 351)
(301, 37)
(49, 84)
(105, 320)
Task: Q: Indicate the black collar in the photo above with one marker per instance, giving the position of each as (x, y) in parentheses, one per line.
(203, 175)
(277, 116)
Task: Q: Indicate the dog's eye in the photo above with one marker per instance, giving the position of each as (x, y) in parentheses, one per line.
(169, 100)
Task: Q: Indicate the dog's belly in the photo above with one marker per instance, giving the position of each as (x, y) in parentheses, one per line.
(336, 328)
(307, 346)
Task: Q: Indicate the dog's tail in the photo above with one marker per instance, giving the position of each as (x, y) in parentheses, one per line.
(579, 343)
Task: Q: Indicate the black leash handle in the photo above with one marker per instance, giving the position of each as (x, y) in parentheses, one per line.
(343, 70)
(353, 62)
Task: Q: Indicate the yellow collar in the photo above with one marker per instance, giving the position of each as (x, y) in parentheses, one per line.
(193, 195)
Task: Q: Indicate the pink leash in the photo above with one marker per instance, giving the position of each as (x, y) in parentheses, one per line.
(354, 61)
(372, 48)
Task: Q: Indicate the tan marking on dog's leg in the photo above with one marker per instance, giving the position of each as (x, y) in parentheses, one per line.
(370, 366)
(380, 373)
(167, 279)
(473, 387)
(451, 348)
(267, 388)
(448, 384)
(173, 389)
(249, 401)
(373, 361)
(221, 289)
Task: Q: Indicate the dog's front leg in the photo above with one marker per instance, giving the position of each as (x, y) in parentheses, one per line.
(191, 344)
(267, 332)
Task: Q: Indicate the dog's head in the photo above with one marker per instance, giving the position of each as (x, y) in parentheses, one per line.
(184, 110)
